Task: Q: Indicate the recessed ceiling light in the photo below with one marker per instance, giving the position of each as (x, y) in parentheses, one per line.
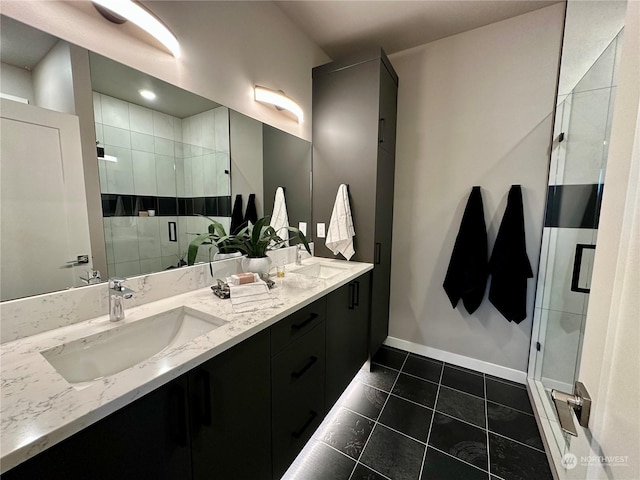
(148, 94)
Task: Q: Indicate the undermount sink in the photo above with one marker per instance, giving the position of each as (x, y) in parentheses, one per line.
(320, 270)
(102, 354)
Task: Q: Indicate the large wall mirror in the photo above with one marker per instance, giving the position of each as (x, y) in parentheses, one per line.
(106, 168)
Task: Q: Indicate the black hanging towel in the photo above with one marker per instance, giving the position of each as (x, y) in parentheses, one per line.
(236, 214)
(509, 265)
(251, 215)
(466, 277)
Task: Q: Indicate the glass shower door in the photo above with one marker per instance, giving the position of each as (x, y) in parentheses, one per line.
(579, 157)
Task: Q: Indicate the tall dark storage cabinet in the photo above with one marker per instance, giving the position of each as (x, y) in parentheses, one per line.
(354, 138)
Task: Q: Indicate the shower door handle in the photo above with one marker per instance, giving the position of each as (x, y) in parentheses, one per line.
(577, 267)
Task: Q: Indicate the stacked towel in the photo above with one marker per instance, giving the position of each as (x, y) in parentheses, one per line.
(279, 217)
(250, 297)
(341, 231)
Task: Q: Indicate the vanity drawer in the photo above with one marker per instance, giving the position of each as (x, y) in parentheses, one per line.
(297, 324)
(297, 375)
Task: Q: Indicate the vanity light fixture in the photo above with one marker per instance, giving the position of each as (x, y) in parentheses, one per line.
(128, 10)
(148, 94)
(279, 100)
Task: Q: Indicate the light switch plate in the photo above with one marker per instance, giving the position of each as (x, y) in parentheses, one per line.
(320, 230)
(302, 226)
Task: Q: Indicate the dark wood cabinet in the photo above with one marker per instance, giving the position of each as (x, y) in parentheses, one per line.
(199, 426)
(148, 438)
(354, 138)
(298, 375)
(231, 413)
(347, 335)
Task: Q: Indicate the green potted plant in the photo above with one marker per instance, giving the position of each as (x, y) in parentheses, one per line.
(253, 240)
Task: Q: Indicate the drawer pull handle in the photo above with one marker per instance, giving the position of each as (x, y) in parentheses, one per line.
(178, 415)
(300, 431)
(303, 370)
(298, 326)
(352, 296)
(203, 399)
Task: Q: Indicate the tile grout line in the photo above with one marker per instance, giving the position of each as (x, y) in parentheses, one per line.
(516, 441)
(375, 423)
(486, 417)
(351, 458)
(435, 403)
(460, 460)
(512, 408)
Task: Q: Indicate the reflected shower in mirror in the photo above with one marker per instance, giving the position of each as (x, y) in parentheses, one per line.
(150, 166)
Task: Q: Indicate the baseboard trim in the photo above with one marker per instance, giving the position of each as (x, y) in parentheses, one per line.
(459, 360)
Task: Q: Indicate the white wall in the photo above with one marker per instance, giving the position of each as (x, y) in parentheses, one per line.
(53, 80)
(16, 81)
(610, 359)
(473, 109)
(227, 48)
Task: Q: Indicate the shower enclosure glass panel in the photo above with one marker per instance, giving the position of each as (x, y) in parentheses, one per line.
(579, 157)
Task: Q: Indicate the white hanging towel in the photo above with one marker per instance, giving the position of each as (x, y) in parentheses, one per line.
(341, 231)
(279, 217)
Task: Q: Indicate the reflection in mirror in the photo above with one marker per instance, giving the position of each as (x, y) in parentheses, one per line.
(586, 99)
(159, 164)
(162, 158)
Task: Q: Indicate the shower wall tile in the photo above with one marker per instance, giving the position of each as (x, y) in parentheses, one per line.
(141, 119)
(127, 269)
(102, 175)
(163, 146)
(177, 129)
(97, 108)
(188, 178)
(144, 173)
(100, 133)
(120, 173)
(197, 176)
(149, 237)
(115, 112)
(151, 265)
(223, 182)
(165, 175)
(181, 189)
(142, 142)
(163, 125)
(207, 123)
(124, 232)
(117, 137)
(108, 239)
(221, 116)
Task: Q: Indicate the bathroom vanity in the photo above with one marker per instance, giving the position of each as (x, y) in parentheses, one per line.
(238, 401)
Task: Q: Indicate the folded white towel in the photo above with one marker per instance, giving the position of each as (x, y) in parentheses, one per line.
(341, 232)
(279, 217)
(250, 297)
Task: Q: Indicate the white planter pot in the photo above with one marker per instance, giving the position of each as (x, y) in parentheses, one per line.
(224, 256)
(256, 265)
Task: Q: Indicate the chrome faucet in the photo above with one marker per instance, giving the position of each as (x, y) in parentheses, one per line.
(299, 254)
(117, 294)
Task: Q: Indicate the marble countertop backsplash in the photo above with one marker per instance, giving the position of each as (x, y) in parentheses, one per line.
(40, 408)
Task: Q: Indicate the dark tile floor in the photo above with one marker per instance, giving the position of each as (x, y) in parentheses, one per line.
(414, 418)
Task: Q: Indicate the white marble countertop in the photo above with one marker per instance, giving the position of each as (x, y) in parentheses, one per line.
(39, 408)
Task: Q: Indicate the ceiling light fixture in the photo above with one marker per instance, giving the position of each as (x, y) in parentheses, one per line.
(148, 94)
(279, 100)
(145, 20)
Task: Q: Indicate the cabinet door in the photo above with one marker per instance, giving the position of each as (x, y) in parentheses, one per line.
(231, 413)
(347, 335)
(147, 439)
(388, 110)
(298, 396)
(381, 279)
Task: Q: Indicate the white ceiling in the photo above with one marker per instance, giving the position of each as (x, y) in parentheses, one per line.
(341, 28)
